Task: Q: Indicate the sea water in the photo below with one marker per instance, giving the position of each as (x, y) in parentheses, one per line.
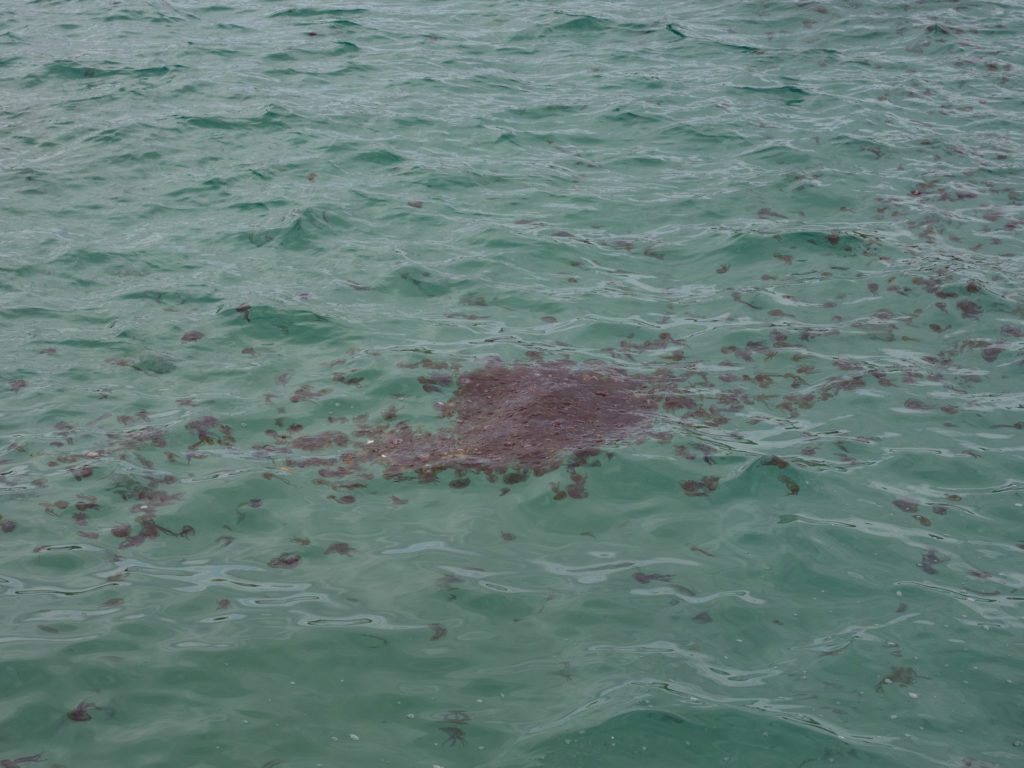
(229, 226)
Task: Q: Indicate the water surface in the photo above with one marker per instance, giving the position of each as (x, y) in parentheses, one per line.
(228, 228)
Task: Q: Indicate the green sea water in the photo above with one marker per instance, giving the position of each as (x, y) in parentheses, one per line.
(228, 227)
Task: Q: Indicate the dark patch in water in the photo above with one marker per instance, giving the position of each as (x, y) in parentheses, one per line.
(520, 417)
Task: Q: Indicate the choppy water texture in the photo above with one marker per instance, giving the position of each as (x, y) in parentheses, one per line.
(242, 241)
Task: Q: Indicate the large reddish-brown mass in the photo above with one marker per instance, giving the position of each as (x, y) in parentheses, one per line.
(521, 417)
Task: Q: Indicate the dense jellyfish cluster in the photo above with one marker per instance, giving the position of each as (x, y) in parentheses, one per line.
(511, 420)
